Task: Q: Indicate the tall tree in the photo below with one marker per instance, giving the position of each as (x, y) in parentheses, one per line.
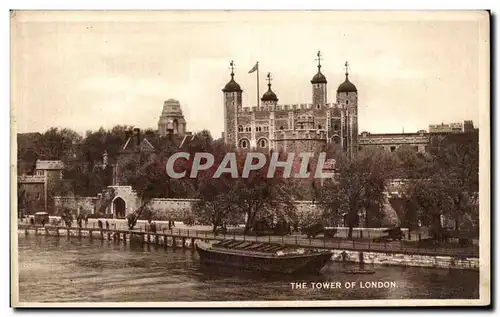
(359, 186)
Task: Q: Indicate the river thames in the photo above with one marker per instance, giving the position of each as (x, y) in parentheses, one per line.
(55, 269)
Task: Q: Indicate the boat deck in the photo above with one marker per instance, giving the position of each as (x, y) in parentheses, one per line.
(251, 246)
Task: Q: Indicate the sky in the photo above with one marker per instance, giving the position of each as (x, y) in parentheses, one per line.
(84, 70)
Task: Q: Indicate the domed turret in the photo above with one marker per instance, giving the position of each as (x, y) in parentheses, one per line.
(319, 78)
(319, 88)
(232, 85)
(347, 86)
(269, 95)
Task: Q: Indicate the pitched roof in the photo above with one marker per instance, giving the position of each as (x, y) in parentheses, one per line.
(144, 146)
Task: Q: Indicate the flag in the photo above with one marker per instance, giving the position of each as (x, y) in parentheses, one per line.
(256, 67)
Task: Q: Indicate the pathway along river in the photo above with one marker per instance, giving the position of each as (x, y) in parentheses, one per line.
(55, 269)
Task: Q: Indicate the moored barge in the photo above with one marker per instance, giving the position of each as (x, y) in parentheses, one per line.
(267, 257)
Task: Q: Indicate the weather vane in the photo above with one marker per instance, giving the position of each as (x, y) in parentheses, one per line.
(269, 78)
(319, 58)
(346, 67)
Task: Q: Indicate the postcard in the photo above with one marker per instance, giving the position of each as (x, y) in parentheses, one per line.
(250, 158)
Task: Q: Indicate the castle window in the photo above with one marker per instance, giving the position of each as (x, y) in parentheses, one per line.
(243, 144)
(39, 172)
(266, 128)
(258, 129)
(318, 106)
(248, 129)
(393, 148)
(281, 128)
(263, 143)
(319, 127)
(318, 85)
(336, 126)
(347, 102)
(240, 128)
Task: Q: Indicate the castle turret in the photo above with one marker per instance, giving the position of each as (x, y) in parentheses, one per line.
(319, 86)
(347, 98)
(269, 97)
(232, 104)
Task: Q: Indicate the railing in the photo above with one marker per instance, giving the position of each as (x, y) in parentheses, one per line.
(403, 246)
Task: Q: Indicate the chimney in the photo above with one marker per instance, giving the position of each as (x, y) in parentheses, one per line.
(137, 136)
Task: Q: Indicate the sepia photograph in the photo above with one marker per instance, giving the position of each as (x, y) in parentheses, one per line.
(250, 158)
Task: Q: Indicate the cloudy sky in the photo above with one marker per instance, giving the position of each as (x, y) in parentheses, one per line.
(87, 70)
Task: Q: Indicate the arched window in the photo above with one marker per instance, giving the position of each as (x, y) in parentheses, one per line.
(319, 127)
(318, 106)
(281, 128)
(240, 128)
(347, 102)
(244, 144)
(176, 126)
(262, 143)
(258, 129)
(248, 129)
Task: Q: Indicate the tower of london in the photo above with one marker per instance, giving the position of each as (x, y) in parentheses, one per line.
(306, 127)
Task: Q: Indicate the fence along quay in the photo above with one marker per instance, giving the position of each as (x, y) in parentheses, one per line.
(390, 253)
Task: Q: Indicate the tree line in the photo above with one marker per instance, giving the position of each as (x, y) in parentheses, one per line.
(441, 182)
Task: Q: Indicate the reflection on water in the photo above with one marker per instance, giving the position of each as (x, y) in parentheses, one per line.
(59, 270)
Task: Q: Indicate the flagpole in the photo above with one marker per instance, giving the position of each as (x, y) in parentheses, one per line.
(258, 94)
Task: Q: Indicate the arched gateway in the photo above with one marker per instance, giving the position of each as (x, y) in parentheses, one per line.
(119, 208)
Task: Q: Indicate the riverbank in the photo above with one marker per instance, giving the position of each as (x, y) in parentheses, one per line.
(83, 271)
(340, 252)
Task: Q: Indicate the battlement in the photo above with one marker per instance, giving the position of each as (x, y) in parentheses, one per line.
(49, 165)
(284, 107)
(31, 179)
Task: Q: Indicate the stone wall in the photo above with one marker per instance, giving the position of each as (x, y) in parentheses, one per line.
(171, 209)
(76, 204)
(167, 208)
(33, 197)
(418, 260)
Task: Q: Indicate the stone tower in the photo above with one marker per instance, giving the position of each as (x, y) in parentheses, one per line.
(319, 87)
(171, 119)
(232, 105)
(347, 98)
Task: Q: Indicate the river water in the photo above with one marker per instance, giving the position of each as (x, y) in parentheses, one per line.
(55, 269)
